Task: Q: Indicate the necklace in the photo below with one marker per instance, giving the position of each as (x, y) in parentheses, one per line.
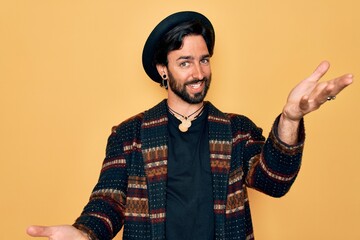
(185, 120)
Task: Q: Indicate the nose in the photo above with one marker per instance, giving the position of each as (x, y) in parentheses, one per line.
(198, 71)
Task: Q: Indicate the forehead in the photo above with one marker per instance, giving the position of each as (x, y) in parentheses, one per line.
(192, 45)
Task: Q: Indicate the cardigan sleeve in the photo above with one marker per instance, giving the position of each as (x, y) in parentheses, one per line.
(103, 216)
(275, 168)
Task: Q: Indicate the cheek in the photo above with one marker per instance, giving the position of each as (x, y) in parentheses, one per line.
(207, 71)
(180, 75)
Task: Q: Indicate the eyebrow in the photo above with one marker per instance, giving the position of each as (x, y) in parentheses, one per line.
(190, 57)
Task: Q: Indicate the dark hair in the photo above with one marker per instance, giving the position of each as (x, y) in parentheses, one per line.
(173, 39)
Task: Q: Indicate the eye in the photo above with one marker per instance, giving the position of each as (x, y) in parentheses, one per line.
(205, 61)
(184, 64)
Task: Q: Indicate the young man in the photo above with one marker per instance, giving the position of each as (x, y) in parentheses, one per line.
(180, 169)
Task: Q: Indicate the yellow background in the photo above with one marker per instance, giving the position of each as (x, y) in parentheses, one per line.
(70, 70)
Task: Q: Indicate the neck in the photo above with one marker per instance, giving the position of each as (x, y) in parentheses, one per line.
(188, 118)
(183, 107)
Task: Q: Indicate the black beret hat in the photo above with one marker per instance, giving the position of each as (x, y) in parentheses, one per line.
(158, 33)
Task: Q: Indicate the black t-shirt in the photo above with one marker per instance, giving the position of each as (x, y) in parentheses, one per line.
(189, 205)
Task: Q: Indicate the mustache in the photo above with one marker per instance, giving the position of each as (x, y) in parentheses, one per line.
(194, 81)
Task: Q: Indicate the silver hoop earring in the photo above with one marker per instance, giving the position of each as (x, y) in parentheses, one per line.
(164, 81)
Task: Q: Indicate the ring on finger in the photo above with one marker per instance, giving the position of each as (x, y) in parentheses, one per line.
(329, 98)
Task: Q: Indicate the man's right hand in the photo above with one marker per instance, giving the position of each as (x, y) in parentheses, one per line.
(62, 232)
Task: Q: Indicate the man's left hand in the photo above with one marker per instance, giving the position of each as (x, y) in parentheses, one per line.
(310, 94)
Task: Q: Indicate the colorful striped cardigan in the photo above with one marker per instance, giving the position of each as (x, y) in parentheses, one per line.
(131, 191)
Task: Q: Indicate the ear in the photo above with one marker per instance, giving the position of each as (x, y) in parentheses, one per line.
(162, 70)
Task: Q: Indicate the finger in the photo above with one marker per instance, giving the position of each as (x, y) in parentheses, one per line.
(341, 82)
(319, 71)
(320, 93)
(330, 88)
(333, 88)
(39, 231)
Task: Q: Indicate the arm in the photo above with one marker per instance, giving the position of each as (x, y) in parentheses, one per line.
(274, 170)
(102, 217)
(273, 164)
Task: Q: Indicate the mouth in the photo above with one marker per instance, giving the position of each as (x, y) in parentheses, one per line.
(195, 84)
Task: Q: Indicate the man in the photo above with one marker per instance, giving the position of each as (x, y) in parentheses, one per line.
(180, 170)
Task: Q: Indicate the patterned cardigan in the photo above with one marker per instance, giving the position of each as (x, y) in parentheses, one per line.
(131, 191)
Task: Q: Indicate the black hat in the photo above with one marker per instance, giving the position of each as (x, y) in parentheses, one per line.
(158, 33)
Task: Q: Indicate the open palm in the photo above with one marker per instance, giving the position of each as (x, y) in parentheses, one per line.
(62, 232)
(310, 94)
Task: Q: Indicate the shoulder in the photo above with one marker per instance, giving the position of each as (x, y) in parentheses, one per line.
(238, 119)
(235, 120)
(238, 123)
(131, 122)
(135, 122)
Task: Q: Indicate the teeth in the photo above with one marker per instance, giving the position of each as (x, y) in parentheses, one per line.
(195, 86)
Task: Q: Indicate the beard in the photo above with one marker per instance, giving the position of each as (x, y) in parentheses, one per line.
(181, 91)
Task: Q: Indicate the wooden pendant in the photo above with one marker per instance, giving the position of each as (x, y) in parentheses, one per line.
(184, 125)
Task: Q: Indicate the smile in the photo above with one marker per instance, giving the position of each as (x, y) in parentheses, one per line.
(196, 84)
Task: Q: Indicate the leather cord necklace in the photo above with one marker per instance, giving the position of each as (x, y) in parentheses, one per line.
(185, 120)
